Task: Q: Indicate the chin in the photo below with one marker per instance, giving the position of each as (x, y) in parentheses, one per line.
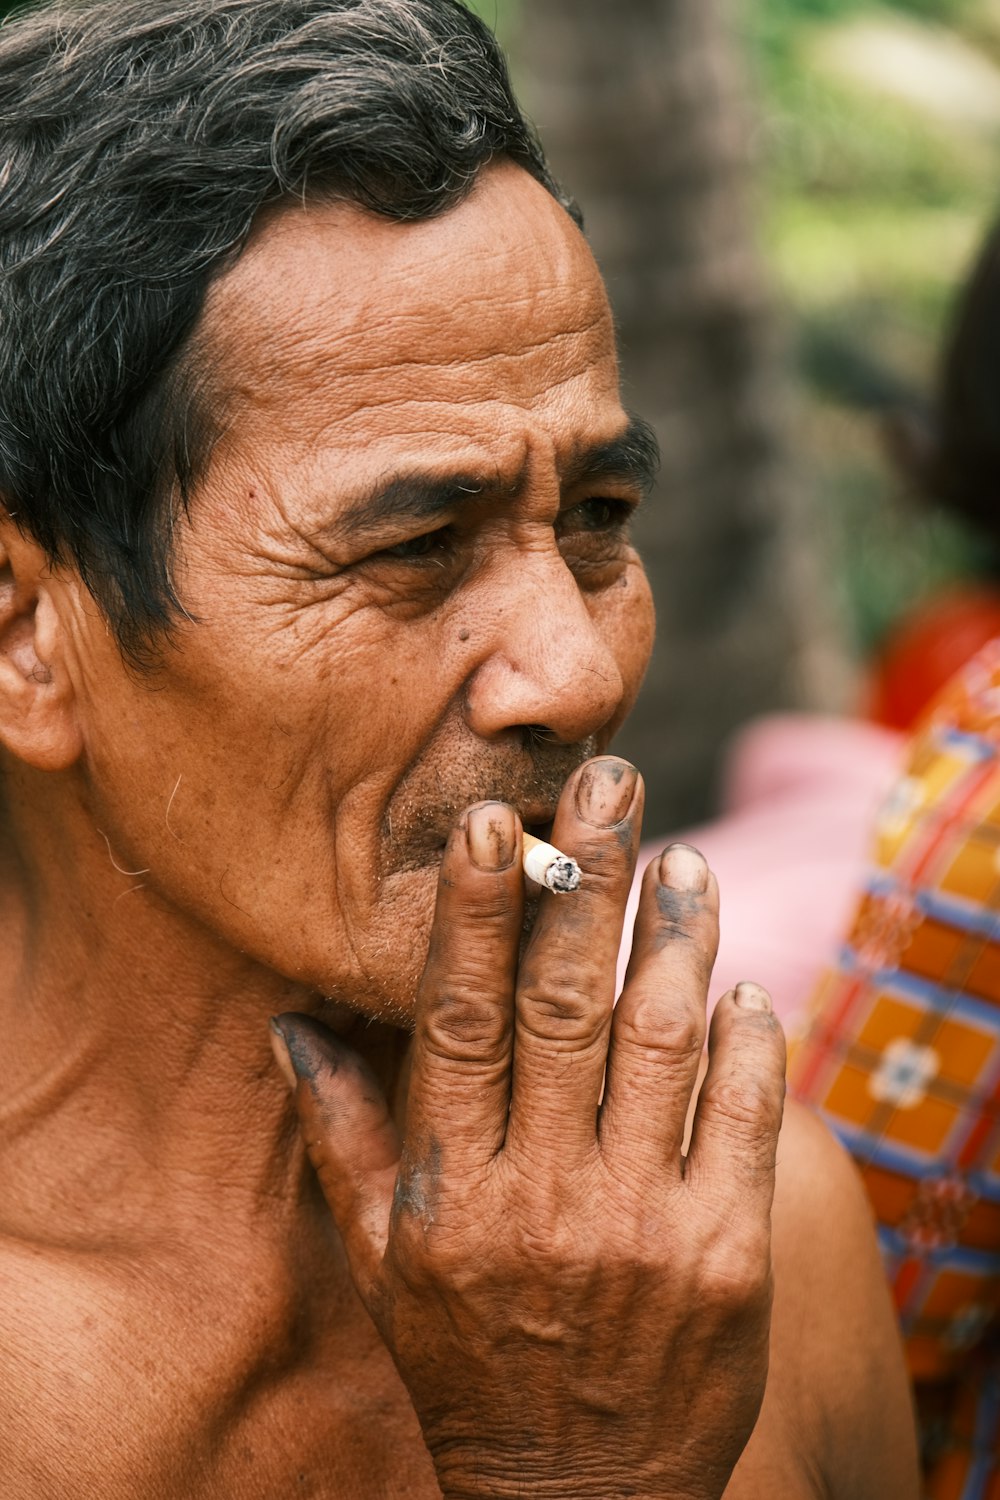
(389, 958)
(342, 1016)
(385, 992)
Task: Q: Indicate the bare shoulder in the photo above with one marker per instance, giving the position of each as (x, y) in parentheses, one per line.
(837, 1394)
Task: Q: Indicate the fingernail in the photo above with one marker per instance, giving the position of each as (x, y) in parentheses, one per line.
(683, 869)
(605, 791)
(491, 835)
(279, 1046)
(752, 997)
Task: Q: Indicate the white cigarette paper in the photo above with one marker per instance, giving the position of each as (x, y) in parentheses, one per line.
(548, 866)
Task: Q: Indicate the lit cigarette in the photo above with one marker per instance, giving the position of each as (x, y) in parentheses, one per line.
(548, 866)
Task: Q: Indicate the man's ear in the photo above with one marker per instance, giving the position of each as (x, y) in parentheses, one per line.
(38, 711)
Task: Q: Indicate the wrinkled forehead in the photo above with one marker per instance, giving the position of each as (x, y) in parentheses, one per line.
(334, 318)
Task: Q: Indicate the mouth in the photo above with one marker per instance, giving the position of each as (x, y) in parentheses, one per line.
(430, 802)
(540, 828)
(428, 852)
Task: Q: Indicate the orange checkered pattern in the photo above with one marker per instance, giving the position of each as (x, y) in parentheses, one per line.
(902, 1056)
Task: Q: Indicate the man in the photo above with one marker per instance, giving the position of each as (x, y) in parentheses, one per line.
(316, 590)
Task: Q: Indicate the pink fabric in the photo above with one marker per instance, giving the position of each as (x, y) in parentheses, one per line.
(790, 848)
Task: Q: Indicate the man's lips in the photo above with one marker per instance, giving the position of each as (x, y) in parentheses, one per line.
(538, 823)
(423, 849)
(430, 802)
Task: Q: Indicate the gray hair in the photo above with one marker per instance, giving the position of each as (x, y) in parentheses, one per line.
(140, 141)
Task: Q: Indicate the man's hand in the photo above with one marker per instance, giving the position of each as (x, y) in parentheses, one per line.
(576, 1309)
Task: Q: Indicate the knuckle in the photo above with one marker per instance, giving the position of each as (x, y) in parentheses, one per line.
(744, 1105)
(670, 1035)
(735, 1270)
(449, 1257)
(735, 1286)
(462, 1025)
(563, 1013)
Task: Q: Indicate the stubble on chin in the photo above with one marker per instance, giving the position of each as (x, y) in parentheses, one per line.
(386, 992)
(434, 794)
(388, 959)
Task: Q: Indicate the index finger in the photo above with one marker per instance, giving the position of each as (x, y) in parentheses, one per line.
(460, 1076)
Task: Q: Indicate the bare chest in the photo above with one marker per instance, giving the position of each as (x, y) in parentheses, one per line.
(110, 1389)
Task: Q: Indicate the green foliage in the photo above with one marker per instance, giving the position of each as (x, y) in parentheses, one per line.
(775, 29)
(785, 13)
(823, 137)
(873, 209)
(897, 555)
(502, 15)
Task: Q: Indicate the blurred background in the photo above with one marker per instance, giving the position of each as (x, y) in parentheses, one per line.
(784, 196)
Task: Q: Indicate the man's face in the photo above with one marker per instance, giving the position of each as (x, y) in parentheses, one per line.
(408, 575)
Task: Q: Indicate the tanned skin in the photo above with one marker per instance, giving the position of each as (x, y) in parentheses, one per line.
(414, 619)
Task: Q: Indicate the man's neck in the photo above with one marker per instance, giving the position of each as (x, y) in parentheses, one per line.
(137, 1078)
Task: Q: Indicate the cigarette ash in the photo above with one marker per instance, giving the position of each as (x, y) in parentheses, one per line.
(563, 875)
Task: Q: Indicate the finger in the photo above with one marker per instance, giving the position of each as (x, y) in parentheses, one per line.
(738, 1115)
(566, 987)
(659, 1024)
(348, 1133)
(459, 1090)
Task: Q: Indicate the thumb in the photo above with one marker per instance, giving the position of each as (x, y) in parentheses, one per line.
(348, 1133)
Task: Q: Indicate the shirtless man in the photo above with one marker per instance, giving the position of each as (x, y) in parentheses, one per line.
(316, 588)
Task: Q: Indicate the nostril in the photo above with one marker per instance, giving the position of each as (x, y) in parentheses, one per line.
(539, 734)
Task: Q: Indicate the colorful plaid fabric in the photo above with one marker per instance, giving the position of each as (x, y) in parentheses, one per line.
(902, 1056)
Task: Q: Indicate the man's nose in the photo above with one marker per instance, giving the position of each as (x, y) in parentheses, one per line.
(549, 666)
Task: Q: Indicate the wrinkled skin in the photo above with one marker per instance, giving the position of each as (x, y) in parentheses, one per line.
(649, 1320)
(387, 669)
(409, 588)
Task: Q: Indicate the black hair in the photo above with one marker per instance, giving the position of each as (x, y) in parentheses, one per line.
(139, 141)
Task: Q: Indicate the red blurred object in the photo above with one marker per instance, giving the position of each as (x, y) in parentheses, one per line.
(926, 649)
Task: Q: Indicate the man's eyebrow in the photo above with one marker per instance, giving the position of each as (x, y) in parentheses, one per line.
(410, 497)
(633, 456)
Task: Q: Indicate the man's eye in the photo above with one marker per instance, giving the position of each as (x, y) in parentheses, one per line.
(431, 544)
(597, 515)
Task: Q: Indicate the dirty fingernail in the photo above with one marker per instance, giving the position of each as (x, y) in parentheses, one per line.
(605, 791)
(683, 869)
(282, 1057)
(752, 997)
(491, 834)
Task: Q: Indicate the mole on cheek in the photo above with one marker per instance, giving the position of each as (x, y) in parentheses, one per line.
(463, 635)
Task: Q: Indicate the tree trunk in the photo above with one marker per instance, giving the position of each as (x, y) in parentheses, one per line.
(642, 109)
